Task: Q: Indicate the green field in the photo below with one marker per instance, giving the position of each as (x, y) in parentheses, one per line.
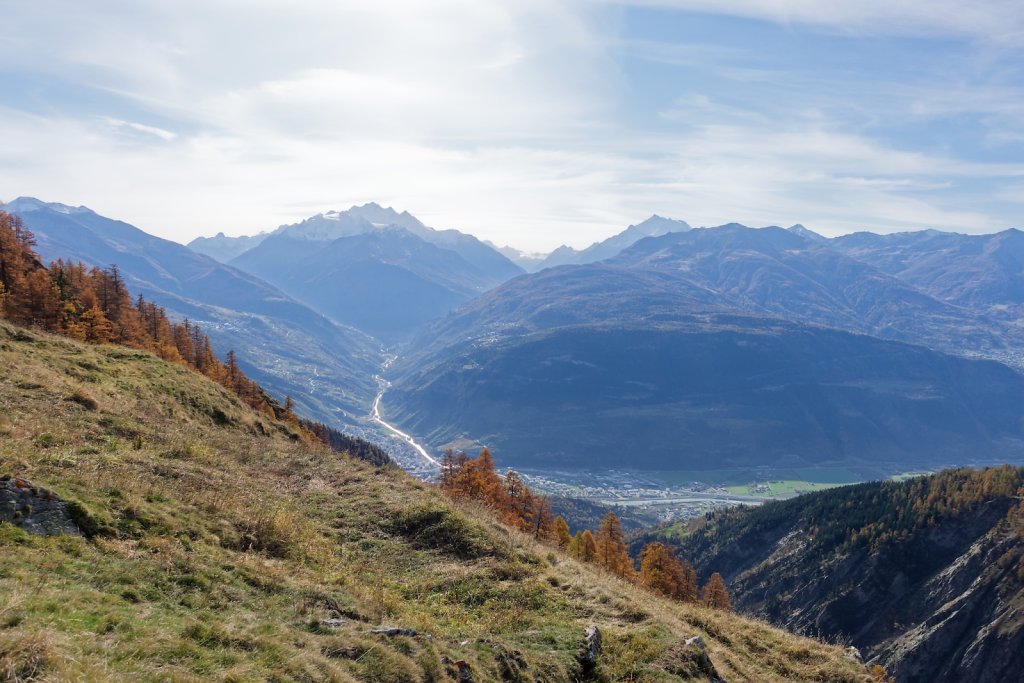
(783, 479)
(785, 488)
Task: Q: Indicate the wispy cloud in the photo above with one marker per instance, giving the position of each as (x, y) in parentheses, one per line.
(998, 20)
(533, 123)
(134, 127)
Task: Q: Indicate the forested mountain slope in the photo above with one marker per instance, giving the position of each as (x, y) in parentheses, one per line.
(712, 393)
(926, 575)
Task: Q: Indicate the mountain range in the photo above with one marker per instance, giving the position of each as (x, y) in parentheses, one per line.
(980, 272)
(731, 345)
(749, 346)
(666, 349)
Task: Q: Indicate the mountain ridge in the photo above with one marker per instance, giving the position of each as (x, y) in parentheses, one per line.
(925, 575)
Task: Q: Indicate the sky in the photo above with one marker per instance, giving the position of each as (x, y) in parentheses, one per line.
(526, 122)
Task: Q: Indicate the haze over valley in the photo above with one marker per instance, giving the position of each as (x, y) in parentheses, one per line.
(771, 353)
(545, 341)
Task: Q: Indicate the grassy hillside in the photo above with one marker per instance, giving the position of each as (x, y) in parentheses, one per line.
(217, 544)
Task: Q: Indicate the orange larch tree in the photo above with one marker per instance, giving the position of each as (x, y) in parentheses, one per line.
(612, 553)
(714, 594)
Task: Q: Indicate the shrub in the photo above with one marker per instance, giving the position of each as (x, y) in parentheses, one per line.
(84, 399)
(27, 658)
(432, 527)
(88, 523)
(45, 440)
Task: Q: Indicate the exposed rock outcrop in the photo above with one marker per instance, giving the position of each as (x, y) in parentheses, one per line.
(591, 650)
(35, 509)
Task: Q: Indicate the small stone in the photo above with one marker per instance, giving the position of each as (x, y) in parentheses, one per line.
(697, 642)
(393, 631)
(333, 623)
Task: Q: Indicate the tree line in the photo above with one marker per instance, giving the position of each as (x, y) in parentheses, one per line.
(864, 516)
(661, 571)
(93, 305)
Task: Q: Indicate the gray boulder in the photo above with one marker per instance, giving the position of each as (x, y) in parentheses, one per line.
(37, 510)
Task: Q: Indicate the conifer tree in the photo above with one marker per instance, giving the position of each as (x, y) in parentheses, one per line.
(451, 465)
(611, 547)
(518, 501)
(714, 594)
(562, 535)
(541, 523)
(583, 546)
(662, 572)
(688, 592)
(482, 482)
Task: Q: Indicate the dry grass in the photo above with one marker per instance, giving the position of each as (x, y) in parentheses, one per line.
(217, 551)
(29, 657)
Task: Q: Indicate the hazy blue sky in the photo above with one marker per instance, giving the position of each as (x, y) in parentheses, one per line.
(530, 122)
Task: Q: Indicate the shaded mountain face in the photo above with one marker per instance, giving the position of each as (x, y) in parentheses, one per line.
(715, 393)
(599, 251)
(224, 248)
(282, 344)
(381, 271)
(708, 349)
(387, 282)
(376, 269)
(984, 273)
(926, 575)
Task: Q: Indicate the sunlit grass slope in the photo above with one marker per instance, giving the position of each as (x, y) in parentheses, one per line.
(218, 543)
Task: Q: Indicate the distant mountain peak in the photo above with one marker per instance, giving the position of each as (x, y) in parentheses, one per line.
(29, 204)
(659, 225)
(654, 226)
(381, 216)
(804, 231)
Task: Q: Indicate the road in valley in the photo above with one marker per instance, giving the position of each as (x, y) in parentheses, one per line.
(383, 385)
